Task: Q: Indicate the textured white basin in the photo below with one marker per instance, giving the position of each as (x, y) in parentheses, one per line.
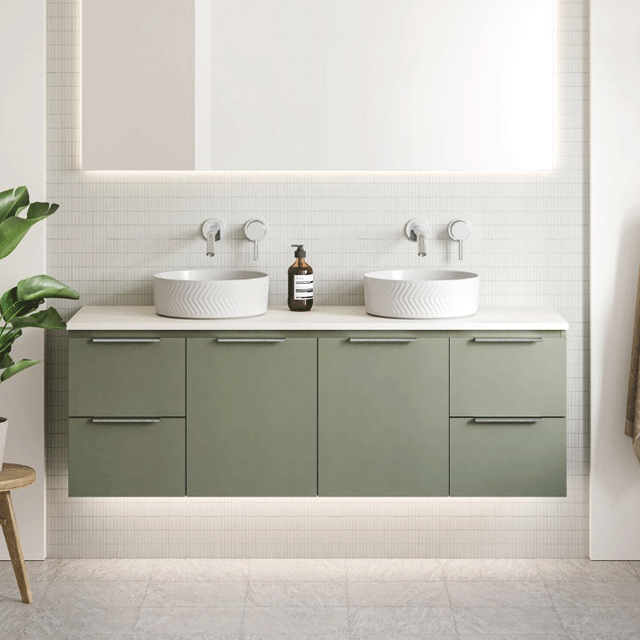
(421, 293)
(210, 293)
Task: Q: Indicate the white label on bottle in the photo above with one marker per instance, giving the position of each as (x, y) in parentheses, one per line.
(303, 287)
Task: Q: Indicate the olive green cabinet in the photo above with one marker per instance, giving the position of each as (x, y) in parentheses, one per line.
(508, 457)
(126, 457)
(251, 416)
(383, 416)
(326, 413)
(508, 376)
(127, 408)
(113, 375)
(508, 408)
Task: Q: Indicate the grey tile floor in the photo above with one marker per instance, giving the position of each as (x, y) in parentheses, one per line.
(324, 600)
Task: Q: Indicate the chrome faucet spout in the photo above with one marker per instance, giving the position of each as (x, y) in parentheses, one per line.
(211, 243)
(212, 230)
(417, 230)
(422, 243)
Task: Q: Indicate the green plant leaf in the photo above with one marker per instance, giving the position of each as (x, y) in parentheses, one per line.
(12, 307)
(41, 210)
(44, 287)
(17, 367)
(13, 229)
(12, 201)
(6, 341)
(7, 361)
(47, 319)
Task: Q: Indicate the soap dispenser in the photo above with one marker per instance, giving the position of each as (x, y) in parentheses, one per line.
(300, 282)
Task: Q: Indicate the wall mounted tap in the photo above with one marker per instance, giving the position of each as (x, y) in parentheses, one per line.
(459, 231)
(417, 230)
(212, 229)
(255, 230)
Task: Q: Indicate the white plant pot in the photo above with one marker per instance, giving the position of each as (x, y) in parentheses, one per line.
(4, 427)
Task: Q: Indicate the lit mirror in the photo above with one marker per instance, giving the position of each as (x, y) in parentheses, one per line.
(318, 85)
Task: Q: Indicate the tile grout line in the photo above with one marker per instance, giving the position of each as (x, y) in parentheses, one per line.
(453, 613)
(246, 597)
(346, 586)
(139, 612)
(555, 608)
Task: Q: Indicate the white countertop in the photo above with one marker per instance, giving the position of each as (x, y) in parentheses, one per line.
(318, 319)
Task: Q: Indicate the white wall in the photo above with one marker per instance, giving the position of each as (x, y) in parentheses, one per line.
(615, 256)
(22, 161)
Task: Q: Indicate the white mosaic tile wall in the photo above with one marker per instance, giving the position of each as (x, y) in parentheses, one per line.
(114, 230)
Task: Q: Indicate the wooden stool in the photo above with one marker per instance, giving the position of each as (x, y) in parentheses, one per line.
(15, 476)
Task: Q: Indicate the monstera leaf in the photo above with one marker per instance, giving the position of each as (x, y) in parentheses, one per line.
(13, 201)
(43, 286)
(18, 305)
(13, 227)
(11, 306)
(17, 367)
(47, 319)
(7, 338)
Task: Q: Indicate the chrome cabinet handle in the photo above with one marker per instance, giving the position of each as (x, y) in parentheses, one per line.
(125, 340)
(250, 340)
(382, 340)
(125, 420)
(518, 340)
(506, 420)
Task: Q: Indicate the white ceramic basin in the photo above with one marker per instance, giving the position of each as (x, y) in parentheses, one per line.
(210, 293)
(421, 293)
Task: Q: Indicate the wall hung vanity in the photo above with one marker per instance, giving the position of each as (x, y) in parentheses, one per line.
(331, 403)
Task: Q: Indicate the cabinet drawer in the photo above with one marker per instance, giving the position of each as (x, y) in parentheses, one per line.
(113, 376)
(111, 458)
(383, 425)
(506, 459)
(500, 377)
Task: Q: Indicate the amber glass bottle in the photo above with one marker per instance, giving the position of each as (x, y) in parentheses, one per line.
(300, 282)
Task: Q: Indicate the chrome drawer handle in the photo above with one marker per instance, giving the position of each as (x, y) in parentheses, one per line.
(506, 420)
(250, 340)
(517, 340)
(382, 340)
(125, 420)
(125, 340)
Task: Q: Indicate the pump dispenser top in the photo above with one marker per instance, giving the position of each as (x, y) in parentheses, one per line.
(299, 252)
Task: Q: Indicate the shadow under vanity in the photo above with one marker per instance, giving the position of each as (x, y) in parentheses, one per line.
(330, 403)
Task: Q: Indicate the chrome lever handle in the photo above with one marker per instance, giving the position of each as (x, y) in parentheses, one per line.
(459, 230)
(255, 230)
(382, 340)
(250, 340)
(506, 420)
(513, 340)
(125, 420)
(125, 340)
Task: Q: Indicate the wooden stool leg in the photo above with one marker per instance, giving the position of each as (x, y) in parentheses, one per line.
(10, 530)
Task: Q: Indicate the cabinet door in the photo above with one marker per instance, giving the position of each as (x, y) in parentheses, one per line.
(120, 376)
(504, 458)
(251, 417)
(113, 458)
(383, 417)
(500, 376)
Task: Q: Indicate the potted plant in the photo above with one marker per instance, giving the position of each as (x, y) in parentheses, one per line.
(18, 306)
